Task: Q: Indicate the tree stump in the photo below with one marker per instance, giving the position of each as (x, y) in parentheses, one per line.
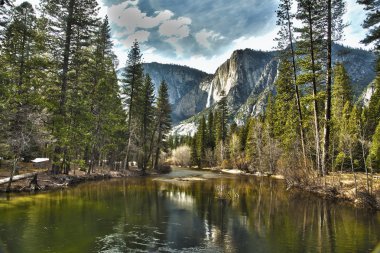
(33, 185)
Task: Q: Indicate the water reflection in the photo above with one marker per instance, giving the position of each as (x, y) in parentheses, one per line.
(233, 214)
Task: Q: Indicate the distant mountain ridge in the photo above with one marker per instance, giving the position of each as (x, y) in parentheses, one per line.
(247, 78)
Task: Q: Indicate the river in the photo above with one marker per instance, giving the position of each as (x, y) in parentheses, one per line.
(184, 211)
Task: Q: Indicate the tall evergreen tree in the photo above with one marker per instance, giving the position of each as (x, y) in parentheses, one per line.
(285, 107)
(201, 138)
(310, 46)
(147, 117)
(163, 120)
(286, 44)
(334, 28)
(341, 93)
(107, 115)
(22, 115)
(132, 83)
(71, 26)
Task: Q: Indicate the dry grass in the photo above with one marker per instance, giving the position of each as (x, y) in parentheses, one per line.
(342, 186)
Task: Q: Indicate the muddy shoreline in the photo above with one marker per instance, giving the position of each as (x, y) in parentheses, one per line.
(335, 189)
(47, 181)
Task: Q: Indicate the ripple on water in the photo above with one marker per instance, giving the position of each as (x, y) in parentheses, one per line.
(144, 239)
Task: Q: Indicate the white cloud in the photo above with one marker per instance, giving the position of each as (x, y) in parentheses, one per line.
(207, 64)
(131, 17)
(141, 36)
(210, 64)
(204, 36)
(174, 42)
(264, 42)
(178, 28)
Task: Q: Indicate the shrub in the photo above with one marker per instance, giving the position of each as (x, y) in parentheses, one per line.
(181, 156)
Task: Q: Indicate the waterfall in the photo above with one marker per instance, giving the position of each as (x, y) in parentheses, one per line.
(209, 97)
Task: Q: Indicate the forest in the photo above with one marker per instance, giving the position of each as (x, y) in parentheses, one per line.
(61, 98)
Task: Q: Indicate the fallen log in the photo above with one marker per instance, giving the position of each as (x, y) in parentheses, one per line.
(18, 177)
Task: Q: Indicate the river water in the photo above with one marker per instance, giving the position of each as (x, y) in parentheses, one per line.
(185, 211)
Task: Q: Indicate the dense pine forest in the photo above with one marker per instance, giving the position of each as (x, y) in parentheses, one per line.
(60, 96)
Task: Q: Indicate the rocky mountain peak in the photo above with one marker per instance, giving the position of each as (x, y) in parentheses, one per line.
(247, 78)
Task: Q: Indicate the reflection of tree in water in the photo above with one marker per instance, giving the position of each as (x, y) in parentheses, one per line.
(147, 215)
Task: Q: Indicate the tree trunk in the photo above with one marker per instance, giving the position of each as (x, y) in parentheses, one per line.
(298, 98)
(353, 171)
(33, 185)
(326, 132)
(65, 68)
(365, 165)
(17, 178)
(130, 112)
(156, 160)
(314, 81)
(12, 174)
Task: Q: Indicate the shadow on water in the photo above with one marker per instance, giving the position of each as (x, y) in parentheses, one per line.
(220, 214)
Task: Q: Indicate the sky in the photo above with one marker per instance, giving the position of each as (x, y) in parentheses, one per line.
(202, 33)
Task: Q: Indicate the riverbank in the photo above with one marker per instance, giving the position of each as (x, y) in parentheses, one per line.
(342, 186)
(335, 186)
(47, 181)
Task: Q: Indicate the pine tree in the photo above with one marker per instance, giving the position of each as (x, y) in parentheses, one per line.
(194, 155)
(210, 131)
(374, 154)
(372, 22)
(286, 44)
(341, 93)
(71, 29)
(352, 139)
(132, 84)
(343, 136)
(22, 116)
(310, 46)
(334, 28)
(163, 120)
(270, 115)
(107, 115)
(201, 138)
(147, 117)
(285, 126)
(341, 103)
(255, 144)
